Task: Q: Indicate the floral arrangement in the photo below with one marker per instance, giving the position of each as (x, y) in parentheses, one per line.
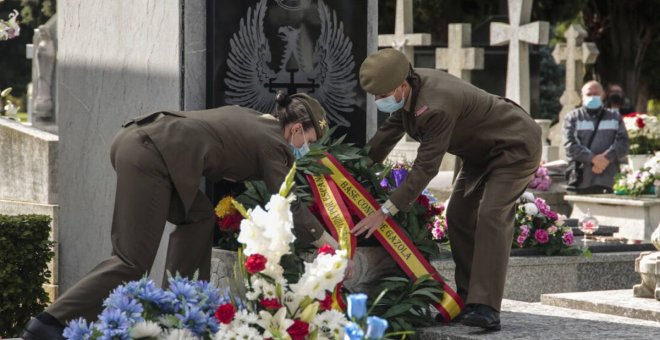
(538, 226)
(10, 29)
(141, 310)
(643, 132)
(262, 305)
(640, 182)
(541, 180)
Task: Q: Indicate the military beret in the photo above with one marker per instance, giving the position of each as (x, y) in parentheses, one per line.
(383, 71)
(315, 111)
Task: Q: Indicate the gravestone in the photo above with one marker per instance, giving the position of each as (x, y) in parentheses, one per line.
(403, 38)
(575, 53)
(109, 72)
(518, 35)
(259, 47)
(458, 58)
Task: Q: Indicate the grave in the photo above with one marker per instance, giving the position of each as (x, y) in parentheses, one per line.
(636, 217)
(28, 164)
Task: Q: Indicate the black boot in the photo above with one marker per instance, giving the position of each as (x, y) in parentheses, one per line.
(483, 316)
(466, 310)
(43, 327)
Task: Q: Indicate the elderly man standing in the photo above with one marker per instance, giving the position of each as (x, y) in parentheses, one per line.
(595, 139)
(499, 144)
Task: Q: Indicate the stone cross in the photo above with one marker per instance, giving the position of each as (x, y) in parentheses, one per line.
(403, 38)
(519, 34)
(458, 58)
(575, 53)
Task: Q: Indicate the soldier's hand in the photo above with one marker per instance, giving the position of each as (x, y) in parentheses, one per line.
(369, 224)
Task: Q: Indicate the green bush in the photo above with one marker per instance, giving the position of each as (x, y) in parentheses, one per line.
(25, 251)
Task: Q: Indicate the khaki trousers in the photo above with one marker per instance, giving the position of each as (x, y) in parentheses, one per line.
(480, 228)
(145, 199)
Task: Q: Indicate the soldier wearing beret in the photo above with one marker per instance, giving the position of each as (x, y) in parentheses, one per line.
(499, 145)
(160, 159)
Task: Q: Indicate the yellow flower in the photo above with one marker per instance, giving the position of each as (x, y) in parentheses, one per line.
(224, 207)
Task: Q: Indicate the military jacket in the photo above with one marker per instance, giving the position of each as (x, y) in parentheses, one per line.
(452, 115)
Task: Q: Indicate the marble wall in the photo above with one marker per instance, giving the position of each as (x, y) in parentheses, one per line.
(116, 59)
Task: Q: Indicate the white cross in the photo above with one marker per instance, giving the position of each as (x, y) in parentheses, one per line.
(458, 58)
(519, 34)
(575, 53)
(403, 38)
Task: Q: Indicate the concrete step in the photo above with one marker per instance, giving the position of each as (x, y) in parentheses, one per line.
(614, 302)
(524, 320)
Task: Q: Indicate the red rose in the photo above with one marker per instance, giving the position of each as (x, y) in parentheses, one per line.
(270, 304)
(326, 249)
(255, 263)
(299, 330)
(326, 304)
(423, 201)
(225, 313)
(640, 122)
(231, 222)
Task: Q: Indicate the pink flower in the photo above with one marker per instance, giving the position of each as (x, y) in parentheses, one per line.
(541, 236)
(552, 229)
(438, 233)
(568, 238)
(545, 209)
(524, 230)
(521, 240)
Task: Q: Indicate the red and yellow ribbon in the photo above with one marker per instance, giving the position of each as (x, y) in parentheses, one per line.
(396, 243)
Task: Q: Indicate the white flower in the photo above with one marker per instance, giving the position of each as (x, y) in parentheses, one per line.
(274, 324)
(247, 333)
(330, 324)
(145, 329)
(531, 209)
(180, 334)
(10, 29)
(526, 197)
(561, 219)
(321, 275)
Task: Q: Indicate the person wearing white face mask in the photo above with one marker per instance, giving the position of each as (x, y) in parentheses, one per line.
(596, 141)
(500, 146)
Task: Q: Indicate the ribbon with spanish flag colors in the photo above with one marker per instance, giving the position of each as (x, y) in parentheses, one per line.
(339, 188)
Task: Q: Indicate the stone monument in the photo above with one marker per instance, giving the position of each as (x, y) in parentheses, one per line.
(648, 267)
(43, 76)
(519, 34)
(458, 58)
(575, 53)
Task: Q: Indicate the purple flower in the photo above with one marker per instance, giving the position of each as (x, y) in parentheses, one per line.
(541, 171)
(568, 238)
(524, 230)
(521, 240)
(399, 176)
(541, 236)
(384, 184)
(545, 209)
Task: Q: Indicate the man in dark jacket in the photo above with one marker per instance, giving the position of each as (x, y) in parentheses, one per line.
(609, 145)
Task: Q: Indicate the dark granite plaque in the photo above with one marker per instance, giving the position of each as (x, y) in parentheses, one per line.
(258, 47)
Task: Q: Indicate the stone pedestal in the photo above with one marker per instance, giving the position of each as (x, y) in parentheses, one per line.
(636, 217)
(648, 267)
(407, 151)
(28, 164)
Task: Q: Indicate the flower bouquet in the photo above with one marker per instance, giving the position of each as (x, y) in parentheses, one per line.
(640, 182)
(541, 180)
(537, 226)
(643, 133)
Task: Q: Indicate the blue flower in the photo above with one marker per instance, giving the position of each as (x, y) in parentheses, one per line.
(149, 293)
(376, 327)
(183, 290)
(210, 296)
(131, 307)
(193, 319)
(78, 330)
(353, 331)
(114, 324)
(357, 306)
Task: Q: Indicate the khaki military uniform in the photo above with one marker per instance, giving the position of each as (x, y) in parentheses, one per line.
(160, 160)
(499, 144)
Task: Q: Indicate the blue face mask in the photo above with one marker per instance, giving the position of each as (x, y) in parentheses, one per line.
(389, 104)
(592, 102)
(300, 152)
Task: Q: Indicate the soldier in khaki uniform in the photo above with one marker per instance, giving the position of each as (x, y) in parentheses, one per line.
(160, 160)
(499, 144)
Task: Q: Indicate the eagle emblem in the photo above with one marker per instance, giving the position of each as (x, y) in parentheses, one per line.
(325, 72)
